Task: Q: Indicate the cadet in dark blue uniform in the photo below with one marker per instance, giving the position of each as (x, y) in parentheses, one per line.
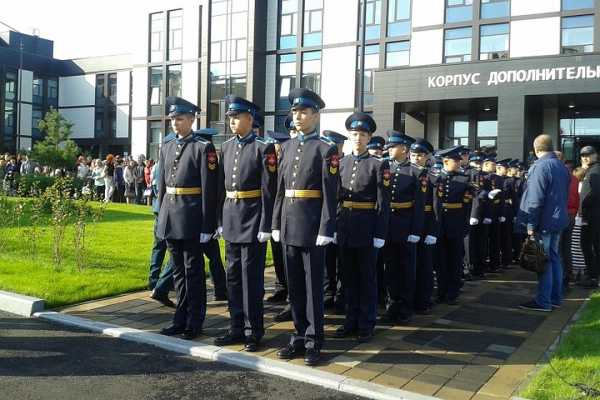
(506, 220)
(248, 176)
(452, 192)
(517, 237)
(376, 146)
(304, 221)
(419, 153)
(362, 226)
(405, 231)
(280, 294)
(187, 198)
(334, 294)
(496, 210)
(479, 219)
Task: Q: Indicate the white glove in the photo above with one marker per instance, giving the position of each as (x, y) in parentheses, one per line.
(502, 219)
(430, 240)
(487, 221)
(263, 237)
(205, 237)
(378, 243)
(492, 195)
(413, 239)
(473, 221)
(335, 238)
(218, 233)
(275, 235)
(324, 240)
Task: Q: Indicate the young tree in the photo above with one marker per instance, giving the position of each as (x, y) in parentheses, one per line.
(56, 150)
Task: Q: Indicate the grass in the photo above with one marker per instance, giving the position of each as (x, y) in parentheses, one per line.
(119, 248)
(577, 361)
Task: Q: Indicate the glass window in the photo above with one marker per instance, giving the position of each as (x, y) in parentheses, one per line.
(313, 22)
(37, 114)
(10, 86)
(156, 37)
(38, 90)
(288, 38)
(371, 64)
(373, 19)
(155, 139)
(239, 26)
(99, 87)
(174, 80)
(578, 34)
(580, 126)
(398, 18)
(156, 96)
(287, 79)
(459, 10)
(577, 4)
(175, 34)
(458, 131)
(487, 134)
(99, 122)
(494, 42)
(397, 54)
(53, 92)
(495, 8)
(457, 46)
(311, 71)
(112, 88)
(9, 119)
(239, 50)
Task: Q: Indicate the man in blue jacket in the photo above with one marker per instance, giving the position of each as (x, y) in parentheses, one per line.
(543, 212)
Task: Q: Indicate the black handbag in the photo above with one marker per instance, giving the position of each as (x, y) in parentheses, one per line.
(533, 257)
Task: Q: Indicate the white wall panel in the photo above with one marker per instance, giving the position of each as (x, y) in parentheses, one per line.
(189, 82)
(25, 117)
(270, 82)
(191, 31)
(25, 143)
(426, 47)
(526, 7)
(139, 137)
(79, 90)
(26, 85)
(269, 123)
(339, 75)
(535, 37)
(140, 92)
(340, 21)
(123, 87)
(122, 121)
(334, 122)
(272, 24)
(83, 121)
(427, 12)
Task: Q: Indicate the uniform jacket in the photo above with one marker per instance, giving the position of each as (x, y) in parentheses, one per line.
(363, 178)
(544, 202)
(247, 164)
(453, 189)
(306, 163)
(590, 196)
(406, 186)
(430, 222)
(187, 163)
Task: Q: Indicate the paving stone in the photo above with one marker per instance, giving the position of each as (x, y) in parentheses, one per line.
(447, 371)
(426, 384)
(456, 389)
(502, 319)
(476, 373)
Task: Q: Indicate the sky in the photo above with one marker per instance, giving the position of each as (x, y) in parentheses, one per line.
(80, 28)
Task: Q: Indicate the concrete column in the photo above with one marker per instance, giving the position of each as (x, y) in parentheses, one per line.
(432, 133)
(551, 125)
(511, 126)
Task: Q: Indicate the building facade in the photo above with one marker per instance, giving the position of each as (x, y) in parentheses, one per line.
(484, 73)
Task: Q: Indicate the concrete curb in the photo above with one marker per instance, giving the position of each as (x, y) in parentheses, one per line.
(238, 359)
(21, 305)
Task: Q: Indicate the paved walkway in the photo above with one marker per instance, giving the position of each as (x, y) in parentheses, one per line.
(483, 349)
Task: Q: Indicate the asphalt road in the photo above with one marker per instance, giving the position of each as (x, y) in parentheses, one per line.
(39, 360)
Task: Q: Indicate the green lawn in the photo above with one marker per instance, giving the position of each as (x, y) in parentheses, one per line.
(577, 360)
(117, 262)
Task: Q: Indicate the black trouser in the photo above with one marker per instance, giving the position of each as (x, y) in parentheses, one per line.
(478, 247)
(190, 283)
(517, 243)
(360, 284)
(212, 251)
(590, 245)
(381, 283)
(450, 250)
(304, 270)
(506, 229)
(279, 265)
(330, 281)
(246, 287)
(400, 277)
(424, 276)
(494, 246)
